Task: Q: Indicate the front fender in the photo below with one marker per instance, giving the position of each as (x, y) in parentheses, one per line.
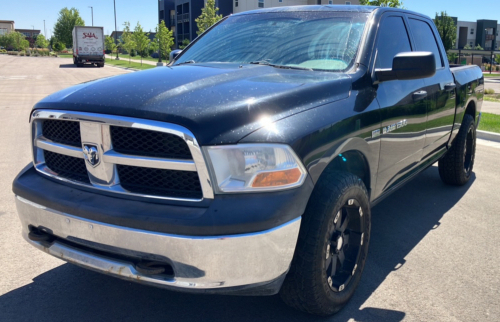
(321, 134)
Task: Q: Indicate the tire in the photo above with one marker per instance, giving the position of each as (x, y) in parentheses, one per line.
(74, 61)
(455, 168)
(307, 286)
(100, 65)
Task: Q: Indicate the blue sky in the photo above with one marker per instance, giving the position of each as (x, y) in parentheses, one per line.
(30, 13)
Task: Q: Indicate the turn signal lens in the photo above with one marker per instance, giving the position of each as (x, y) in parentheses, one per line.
(276, 179)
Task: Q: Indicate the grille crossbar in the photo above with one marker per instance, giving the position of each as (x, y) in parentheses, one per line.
(167, 165)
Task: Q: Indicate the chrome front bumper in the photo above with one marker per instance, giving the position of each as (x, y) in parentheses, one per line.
(199, 262)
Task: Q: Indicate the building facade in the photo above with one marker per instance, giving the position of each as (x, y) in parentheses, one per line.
(180, 15)
(6, 26)
(29, 33)
(482, 32)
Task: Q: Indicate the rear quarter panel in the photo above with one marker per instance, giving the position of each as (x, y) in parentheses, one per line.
(470, 91)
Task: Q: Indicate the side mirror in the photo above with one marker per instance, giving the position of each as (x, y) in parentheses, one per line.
(410, 65)
(174, 53)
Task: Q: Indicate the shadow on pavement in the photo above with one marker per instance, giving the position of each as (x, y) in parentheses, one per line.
(74, 66)
(70, 293)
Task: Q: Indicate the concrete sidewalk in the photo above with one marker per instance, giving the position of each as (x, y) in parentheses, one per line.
(490, 107)
(147, 62)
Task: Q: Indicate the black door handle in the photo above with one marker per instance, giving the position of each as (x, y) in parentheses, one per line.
(449, 87)
(418, 96)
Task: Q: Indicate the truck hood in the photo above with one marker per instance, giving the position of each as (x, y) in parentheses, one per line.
(220, 103)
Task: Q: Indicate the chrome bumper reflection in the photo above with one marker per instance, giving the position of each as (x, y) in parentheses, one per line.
(201, 262)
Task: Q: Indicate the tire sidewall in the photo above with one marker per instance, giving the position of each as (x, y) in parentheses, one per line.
(340, 299)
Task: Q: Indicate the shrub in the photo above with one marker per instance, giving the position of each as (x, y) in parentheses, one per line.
(133, 53)
(489, 91)
(497, 68)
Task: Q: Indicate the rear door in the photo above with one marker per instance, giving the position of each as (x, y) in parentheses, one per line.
(89, 41)
(403, 106)
(440, 87)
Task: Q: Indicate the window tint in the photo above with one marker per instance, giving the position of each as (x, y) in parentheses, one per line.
(424, 39)
(392, 40)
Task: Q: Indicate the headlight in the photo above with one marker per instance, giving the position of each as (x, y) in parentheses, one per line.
(255, 167)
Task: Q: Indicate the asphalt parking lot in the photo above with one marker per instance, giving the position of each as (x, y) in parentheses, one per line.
(433, 253)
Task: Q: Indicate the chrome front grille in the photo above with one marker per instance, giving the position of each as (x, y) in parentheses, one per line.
(67, 167)
(121, 155)
(148, 143)
(63, 132)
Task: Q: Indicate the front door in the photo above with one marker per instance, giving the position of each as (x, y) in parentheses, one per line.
(403, 106)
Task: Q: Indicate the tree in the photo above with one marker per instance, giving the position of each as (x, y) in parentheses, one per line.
(497, 58)
(41, 42)
(58, 46)
(68, 19)
(127, 41)
(382, 3)
(141, 39)
(452, 58)
(185, 43)
(23, 44)
(7, 40)
(165, 39)
(18, 41)
(110, 44)
(478, 47)
(153, 46)
(447, 29)
(208, 17)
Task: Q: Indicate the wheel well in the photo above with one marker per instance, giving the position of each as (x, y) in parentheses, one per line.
(471, 110)
(353, 162)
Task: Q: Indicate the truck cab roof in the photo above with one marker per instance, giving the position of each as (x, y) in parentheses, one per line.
(334, 8)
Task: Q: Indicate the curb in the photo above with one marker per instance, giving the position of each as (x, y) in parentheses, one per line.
(485, 135)
(124, 68)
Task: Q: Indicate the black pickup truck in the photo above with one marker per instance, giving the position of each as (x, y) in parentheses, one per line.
(249, 165)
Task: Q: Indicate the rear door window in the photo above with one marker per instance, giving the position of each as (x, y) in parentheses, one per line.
(424, 39)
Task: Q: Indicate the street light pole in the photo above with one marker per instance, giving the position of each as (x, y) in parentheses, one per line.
(44, 30)
(92, 13)
(33, 36)
(116, 32)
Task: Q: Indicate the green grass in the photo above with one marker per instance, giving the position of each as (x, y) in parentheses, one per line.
(492, 98)
(487, 75)
(65, 55)
(126, 64)
(136, 57)
(490, 122)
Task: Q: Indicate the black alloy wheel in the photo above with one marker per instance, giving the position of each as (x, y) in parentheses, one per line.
(469, 149)
(332, 246)
(344, 245)
(455, 168)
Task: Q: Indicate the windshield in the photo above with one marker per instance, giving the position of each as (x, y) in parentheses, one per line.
(309, 40)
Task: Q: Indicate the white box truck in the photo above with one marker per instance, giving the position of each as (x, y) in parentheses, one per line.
(88, 45)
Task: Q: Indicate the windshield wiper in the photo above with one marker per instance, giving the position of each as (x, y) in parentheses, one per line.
(261, 62)
(266, 63)
(186, 62)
